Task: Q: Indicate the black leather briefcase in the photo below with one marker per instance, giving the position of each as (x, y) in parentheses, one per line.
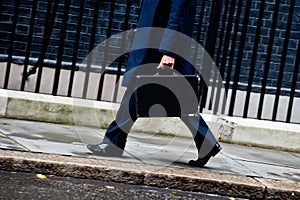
(166, 95)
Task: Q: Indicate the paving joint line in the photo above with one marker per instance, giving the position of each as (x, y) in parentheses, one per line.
(14, 141)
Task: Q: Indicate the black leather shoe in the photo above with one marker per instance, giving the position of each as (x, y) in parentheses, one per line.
(201, 162)
(104, 149)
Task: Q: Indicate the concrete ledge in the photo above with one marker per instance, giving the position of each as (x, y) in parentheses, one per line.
(64, 110)
(268, 134)
(143, 174)
(75, 111)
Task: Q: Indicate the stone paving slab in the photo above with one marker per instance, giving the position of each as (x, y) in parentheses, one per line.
(264, 156)
(8, 143)
(282, 173)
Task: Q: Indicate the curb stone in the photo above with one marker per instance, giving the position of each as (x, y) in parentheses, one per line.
(281, 190)
(149, 175)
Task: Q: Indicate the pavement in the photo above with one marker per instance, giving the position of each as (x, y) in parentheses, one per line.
(150, 159)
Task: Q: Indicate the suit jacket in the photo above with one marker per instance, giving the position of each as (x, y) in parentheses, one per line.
(177, 15)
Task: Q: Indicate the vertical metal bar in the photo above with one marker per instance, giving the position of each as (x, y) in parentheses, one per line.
(218, 58)
(233, 45)
(11, 43)
(121, 61)
(202, 84)
(76, 46)
(61, 46)
(91, 47)
(240, 57)
(222, 33)
(283, 59)
(225, 51)
(254, 57)
(294, 84)
(200, 23)
(198, 37)
(50, 18)
(203, 87)
(268, 59)
(104, 62)
(210, 44)
(29, 43)
(1, 2)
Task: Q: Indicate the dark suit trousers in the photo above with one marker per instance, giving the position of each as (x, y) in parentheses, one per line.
(126, 116)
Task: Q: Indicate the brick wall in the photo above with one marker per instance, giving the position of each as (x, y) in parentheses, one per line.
(23, 26)
(277, 46)
(25, 13)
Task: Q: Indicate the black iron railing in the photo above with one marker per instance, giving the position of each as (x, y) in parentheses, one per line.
(255, 44)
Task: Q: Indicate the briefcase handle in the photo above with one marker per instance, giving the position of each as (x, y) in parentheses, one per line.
(167, 71)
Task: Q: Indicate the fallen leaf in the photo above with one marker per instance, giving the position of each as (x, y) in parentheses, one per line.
(273, 173)
(13, 172)
(41, 176)
(109, 187)
(231, 198)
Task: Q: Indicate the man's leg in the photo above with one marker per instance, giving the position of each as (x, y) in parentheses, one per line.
(205, 141)
(115, 137)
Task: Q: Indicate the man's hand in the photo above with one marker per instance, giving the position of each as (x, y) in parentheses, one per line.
(166, 62)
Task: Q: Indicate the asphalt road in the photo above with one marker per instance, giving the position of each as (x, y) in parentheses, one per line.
(17, 185)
